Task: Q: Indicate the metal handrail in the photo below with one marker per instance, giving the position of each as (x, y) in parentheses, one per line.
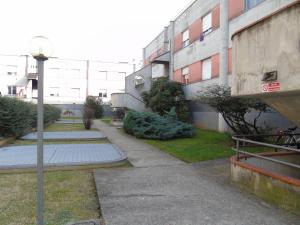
(134, 97)
(245, 140)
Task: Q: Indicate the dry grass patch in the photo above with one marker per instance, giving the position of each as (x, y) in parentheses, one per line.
(69, 196)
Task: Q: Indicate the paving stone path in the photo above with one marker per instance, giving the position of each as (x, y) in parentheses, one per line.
(161, 190)
(60, 155)
(69, 135)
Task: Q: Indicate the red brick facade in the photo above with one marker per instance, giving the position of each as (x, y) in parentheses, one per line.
(195, 30)
(215, 64)
(216, 17)
(177, 45)
(177, 76)
(195, 70)
(236, 8)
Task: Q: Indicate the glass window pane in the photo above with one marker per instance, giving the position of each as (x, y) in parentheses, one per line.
(206, 69)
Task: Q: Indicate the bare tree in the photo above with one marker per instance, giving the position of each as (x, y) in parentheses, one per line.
(234, 109)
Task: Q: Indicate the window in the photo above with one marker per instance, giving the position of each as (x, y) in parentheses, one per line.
(75, 73)
(54, 73)
(207, 24)
(75, 92)
(11, 70)
(185, 38)
(251, 3)
(34, 84)
(113, 76)
(12, 90)
(206, 69)
(185, 73)
(54, 91)
(103, 93)
(102, 75)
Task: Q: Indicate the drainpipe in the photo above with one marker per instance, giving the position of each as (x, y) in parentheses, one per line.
(87, 77)
(144, 56)
(171, 40)
(224, 32)
(26, 65)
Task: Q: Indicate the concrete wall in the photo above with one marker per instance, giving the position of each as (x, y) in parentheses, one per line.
(273, 187)
(135, 92)
(270, 45)
(76, 109)
(159, 70)
(157, 46)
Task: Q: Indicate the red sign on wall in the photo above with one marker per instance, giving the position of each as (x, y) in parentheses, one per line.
(271, 87)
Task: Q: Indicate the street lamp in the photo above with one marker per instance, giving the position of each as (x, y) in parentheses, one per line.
(40, 50)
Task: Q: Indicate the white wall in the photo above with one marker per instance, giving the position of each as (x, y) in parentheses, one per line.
(68, 77)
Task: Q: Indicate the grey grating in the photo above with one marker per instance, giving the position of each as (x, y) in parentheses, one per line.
(69, 135)
(60, 155)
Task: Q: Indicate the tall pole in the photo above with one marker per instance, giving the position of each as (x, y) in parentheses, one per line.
(87, 77)
(171, 45)
(40, 153)
(224, 32)
(26, 65)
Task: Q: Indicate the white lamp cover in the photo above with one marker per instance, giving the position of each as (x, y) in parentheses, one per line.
(41, 47)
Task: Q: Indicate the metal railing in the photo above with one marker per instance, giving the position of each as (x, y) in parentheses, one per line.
(244, 141)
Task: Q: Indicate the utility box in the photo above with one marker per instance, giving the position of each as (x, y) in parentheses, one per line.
(266, 61)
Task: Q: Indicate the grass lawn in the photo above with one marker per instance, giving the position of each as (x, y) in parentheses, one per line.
(71, 118)
(206, 145)
(107, 120)
(69, 196)
(65, 127)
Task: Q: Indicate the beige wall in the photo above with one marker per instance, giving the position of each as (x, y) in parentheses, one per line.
(271, 45)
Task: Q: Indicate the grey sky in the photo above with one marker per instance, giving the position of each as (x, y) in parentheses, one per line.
(96, 29)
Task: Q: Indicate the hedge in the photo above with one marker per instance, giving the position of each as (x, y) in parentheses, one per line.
(18, 118)
(153, 126)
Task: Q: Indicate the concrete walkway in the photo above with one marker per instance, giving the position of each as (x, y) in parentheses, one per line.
(161, 190)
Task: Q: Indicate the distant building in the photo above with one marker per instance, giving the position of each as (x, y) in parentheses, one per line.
(195, 49)
(67, 81)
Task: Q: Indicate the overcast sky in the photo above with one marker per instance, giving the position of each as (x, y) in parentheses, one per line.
(112, 30)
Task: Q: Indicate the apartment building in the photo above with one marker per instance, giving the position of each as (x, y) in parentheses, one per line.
(195, 49)
(67, 82)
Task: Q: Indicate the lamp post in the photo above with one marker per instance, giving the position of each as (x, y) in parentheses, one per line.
(40, 50)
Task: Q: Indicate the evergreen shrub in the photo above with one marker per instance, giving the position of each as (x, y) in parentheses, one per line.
(153, 126)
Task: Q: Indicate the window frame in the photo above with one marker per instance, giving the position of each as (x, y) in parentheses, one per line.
(208, 30)
(12, 90)
(246, 4)
(185, 41)
(185, 75)
(103, 94)
(54, 94)
(203, 62)
(12, 70)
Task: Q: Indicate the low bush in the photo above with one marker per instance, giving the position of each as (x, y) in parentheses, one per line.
(118, 113)
(88, 115)
(18, 117)
(95, 104)
(153, 126)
